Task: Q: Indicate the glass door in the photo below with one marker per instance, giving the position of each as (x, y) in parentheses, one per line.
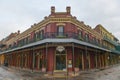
(60, 61)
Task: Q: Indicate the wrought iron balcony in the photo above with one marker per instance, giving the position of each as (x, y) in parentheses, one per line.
(110, 41)
(57, 36)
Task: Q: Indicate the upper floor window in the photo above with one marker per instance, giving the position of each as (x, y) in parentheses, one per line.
(41, 34)
(60, 30)
(80, 33)
(27, 40)
(86, 37)
(94, 40)
(37, 35)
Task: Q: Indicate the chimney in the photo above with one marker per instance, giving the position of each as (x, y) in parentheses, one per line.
(52, 10)
(45, 17)
(18, 31)
(68, 9)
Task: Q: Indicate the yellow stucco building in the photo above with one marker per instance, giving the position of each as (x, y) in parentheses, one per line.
(1, 59)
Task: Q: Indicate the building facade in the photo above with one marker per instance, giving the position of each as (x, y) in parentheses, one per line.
(60, 42)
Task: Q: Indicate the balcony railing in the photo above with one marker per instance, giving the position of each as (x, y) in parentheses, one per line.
(110, 41)
(57, 36)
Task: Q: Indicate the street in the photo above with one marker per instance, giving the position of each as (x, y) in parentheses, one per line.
(112, 73)
(10, 74)
(109, 74)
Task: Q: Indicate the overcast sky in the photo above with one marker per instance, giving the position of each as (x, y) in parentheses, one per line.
(21, 14)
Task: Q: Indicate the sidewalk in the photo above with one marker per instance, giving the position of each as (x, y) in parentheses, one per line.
(25, 75)
(96, 74)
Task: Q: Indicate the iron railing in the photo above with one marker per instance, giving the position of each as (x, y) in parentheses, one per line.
(55, 35)
(110, 41)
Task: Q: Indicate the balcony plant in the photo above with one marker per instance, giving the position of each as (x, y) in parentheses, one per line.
(61, 36)
(80, 38)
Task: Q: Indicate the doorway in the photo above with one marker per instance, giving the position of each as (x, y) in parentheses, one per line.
(60, 61)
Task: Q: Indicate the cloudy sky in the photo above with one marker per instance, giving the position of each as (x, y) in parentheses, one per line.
(21, 14)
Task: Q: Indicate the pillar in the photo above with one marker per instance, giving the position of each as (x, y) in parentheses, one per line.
(83, 62)
(89, 61)
(96, 59)
(69, 59)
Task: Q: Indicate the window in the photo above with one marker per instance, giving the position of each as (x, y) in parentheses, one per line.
(86, 37)
(36, 36)
(41, 34)
(80, 34)
(26, 40)
(94, 40)
(60, 30)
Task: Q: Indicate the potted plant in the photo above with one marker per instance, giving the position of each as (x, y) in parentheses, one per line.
(77, 65)
(44, 66)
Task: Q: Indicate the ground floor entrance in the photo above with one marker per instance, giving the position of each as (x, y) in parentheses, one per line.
(60, 61)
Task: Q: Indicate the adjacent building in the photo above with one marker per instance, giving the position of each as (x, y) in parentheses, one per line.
(60, 42)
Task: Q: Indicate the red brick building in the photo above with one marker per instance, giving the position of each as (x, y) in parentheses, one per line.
(60, 42)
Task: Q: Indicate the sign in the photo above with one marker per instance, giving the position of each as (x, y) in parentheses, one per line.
(69, 65)
(60, 48)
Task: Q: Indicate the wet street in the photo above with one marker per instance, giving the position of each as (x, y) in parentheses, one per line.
(112, 73)
(109, 74)
(10, 74)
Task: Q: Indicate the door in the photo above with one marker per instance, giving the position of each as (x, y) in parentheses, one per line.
(60, 61)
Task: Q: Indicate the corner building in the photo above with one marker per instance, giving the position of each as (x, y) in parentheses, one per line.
(60, 42)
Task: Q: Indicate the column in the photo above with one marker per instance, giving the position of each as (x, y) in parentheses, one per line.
(73, 57)
(83, 62)
(96, 60)
(99, 60)
(46, 57)
(33, 59)
(89, 60)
